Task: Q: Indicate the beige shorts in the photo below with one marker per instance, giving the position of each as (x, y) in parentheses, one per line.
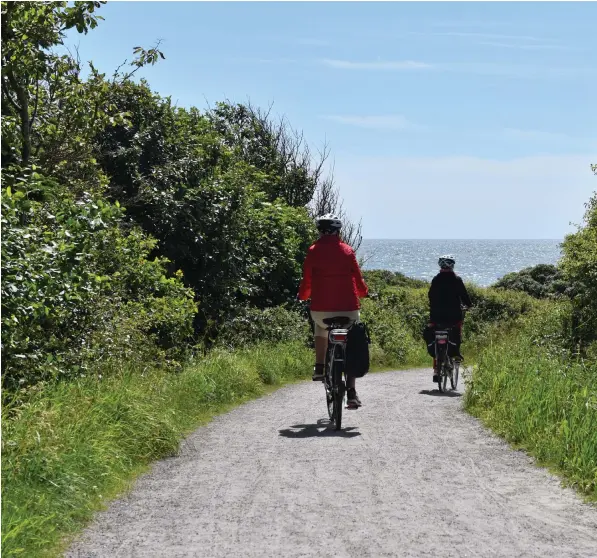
(318, 317)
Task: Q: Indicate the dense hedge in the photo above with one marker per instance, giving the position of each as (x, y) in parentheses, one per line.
(77, 289)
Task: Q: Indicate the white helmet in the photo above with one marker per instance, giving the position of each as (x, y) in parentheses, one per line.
(446, 262)
(328, 223)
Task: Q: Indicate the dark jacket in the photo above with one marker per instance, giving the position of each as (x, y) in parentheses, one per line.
(446, 296)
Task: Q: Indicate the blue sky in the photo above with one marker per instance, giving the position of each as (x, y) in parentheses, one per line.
(457, 120)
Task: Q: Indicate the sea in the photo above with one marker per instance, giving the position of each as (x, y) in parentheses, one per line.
(482, 262)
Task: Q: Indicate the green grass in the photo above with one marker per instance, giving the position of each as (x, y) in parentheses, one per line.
(546, 405)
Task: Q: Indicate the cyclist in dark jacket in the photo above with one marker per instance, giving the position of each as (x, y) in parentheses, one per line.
(447, 297)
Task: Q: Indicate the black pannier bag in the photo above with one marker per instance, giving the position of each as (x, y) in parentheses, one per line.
(357, 350)
(454, 340)
(429, 337)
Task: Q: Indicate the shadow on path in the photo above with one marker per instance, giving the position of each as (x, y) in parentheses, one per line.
(437, 393)
(323, 427)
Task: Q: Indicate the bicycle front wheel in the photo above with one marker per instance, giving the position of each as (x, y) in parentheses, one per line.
(444, 377)
(336, 387)
(454, 377)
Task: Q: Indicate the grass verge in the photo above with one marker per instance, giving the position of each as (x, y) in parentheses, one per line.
(544, 404)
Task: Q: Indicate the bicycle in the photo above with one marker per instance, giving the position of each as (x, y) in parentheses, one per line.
(445, 365)
(335, 386)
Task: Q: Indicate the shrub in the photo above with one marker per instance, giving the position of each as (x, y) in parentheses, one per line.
(540, 281)
(251, 326)
(579, 264)
(77, 288)
(379, 279)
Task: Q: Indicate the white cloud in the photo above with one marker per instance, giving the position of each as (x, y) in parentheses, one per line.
(534, 46)
(465, 34)
(482, 68)
(471, 23)
(377, 65)
(382, 122)
(466, 197)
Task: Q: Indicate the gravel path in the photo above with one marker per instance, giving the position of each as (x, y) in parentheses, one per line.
(411, 475)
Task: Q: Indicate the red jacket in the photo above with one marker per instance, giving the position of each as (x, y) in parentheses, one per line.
(331, 276)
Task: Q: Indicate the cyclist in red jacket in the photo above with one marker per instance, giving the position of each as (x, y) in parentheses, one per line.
(333, 281)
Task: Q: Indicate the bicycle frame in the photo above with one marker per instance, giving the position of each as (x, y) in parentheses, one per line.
(334, 369)
(443, 362)
(337, 338)
(336, 348)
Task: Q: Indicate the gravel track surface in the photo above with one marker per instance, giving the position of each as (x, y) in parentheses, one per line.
(410, 475)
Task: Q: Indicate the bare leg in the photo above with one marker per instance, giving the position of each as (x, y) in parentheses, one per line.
(321, 346)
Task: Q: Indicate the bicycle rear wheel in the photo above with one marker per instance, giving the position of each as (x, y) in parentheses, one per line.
(328, 383)
(441, 370)
(335, 389)
(338, 397)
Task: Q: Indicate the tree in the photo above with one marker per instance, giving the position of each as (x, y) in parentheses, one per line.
(272, 147)
(327, 200)
(29, 32)
(50, 114)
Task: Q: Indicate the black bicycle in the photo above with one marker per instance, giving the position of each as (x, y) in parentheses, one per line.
(335, 386)
(445, 366)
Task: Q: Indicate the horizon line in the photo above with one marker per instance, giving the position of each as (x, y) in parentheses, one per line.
(452, 239)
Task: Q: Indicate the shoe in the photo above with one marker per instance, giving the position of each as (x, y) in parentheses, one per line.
(353, 399)
(318, 373)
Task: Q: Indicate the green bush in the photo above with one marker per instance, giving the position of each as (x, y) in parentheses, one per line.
(77, 288)
(494, 307)
(389, 333)
(379, 279)
(251, 326)
(579, 263)
(540, 281)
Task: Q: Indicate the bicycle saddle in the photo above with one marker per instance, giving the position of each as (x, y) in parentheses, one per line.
(337, 320)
